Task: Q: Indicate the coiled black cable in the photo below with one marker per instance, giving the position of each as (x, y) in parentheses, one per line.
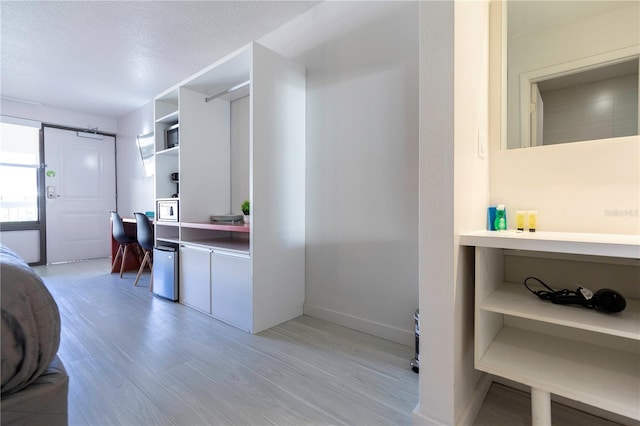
(560, 296)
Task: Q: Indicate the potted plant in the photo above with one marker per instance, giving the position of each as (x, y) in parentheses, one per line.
(246, 210)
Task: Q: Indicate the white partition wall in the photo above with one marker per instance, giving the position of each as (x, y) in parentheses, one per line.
(277, 187)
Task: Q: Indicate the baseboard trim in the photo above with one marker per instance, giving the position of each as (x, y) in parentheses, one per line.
(419, 419)
(475, 402)
(377, 329)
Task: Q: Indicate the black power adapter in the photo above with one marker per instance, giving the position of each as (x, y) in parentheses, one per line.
(605, 299)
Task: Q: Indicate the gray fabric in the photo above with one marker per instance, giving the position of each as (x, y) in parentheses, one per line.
(30, 324)
(44, 402)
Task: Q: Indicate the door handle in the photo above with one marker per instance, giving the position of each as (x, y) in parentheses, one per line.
(51, 192)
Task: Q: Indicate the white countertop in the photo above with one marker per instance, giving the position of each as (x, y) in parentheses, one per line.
(616, 245)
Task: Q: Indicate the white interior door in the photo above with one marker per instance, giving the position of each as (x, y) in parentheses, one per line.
(80, 187)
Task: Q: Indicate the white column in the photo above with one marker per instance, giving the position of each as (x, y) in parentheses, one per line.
(540, 407)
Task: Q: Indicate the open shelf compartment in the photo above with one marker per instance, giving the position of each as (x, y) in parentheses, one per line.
(596, 375)
(514, 299)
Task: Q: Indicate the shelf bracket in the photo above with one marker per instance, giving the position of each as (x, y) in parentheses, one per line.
(224, 92)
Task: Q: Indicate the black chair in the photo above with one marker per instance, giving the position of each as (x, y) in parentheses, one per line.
(145, 240)
(122, 239)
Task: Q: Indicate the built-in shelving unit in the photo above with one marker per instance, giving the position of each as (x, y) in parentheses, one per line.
(237, 119)
(586, 355)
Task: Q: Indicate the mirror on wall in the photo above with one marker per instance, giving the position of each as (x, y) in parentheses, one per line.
(572, 71)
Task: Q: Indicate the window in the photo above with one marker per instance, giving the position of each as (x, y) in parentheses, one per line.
(19, 168)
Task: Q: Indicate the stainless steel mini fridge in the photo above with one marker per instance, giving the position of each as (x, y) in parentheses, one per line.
(165, 272)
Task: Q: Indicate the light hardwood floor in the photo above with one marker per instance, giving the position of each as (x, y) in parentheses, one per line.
(136, 359)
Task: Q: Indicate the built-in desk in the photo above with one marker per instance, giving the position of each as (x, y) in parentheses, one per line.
(133, 262)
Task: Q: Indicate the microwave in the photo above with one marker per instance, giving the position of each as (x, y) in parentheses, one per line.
(172, 136)
(167, 211)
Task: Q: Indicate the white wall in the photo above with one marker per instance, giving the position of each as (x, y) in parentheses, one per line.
(135, 190)
(576, 187)
(454, 81)
(362, 165)
(57, 116)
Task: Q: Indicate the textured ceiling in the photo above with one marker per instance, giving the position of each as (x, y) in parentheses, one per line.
(108, 58)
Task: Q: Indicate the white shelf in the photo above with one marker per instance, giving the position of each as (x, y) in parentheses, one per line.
(516, 300)
(170, 118)
(166, 222)
(615, 245)
(172, 152)
(213, 226)
(168, 240)
(235, 245)
(596, 375)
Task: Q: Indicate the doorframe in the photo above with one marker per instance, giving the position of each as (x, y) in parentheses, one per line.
(527, 79)
(43, 165)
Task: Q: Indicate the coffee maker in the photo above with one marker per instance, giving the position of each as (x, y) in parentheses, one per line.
(175, 177)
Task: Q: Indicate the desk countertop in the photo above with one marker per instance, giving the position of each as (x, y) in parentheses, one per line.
(132, 220)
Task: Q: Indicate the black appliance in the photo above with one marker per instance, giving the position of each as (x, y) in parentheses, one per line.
(172, 136)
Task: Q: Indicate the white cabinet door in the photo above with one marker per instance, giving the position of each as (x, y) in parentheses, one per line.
(231, 295)
(195, 277)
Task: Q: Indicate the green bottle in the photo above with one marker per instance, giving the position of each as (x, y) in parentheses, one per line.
(500, 223)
